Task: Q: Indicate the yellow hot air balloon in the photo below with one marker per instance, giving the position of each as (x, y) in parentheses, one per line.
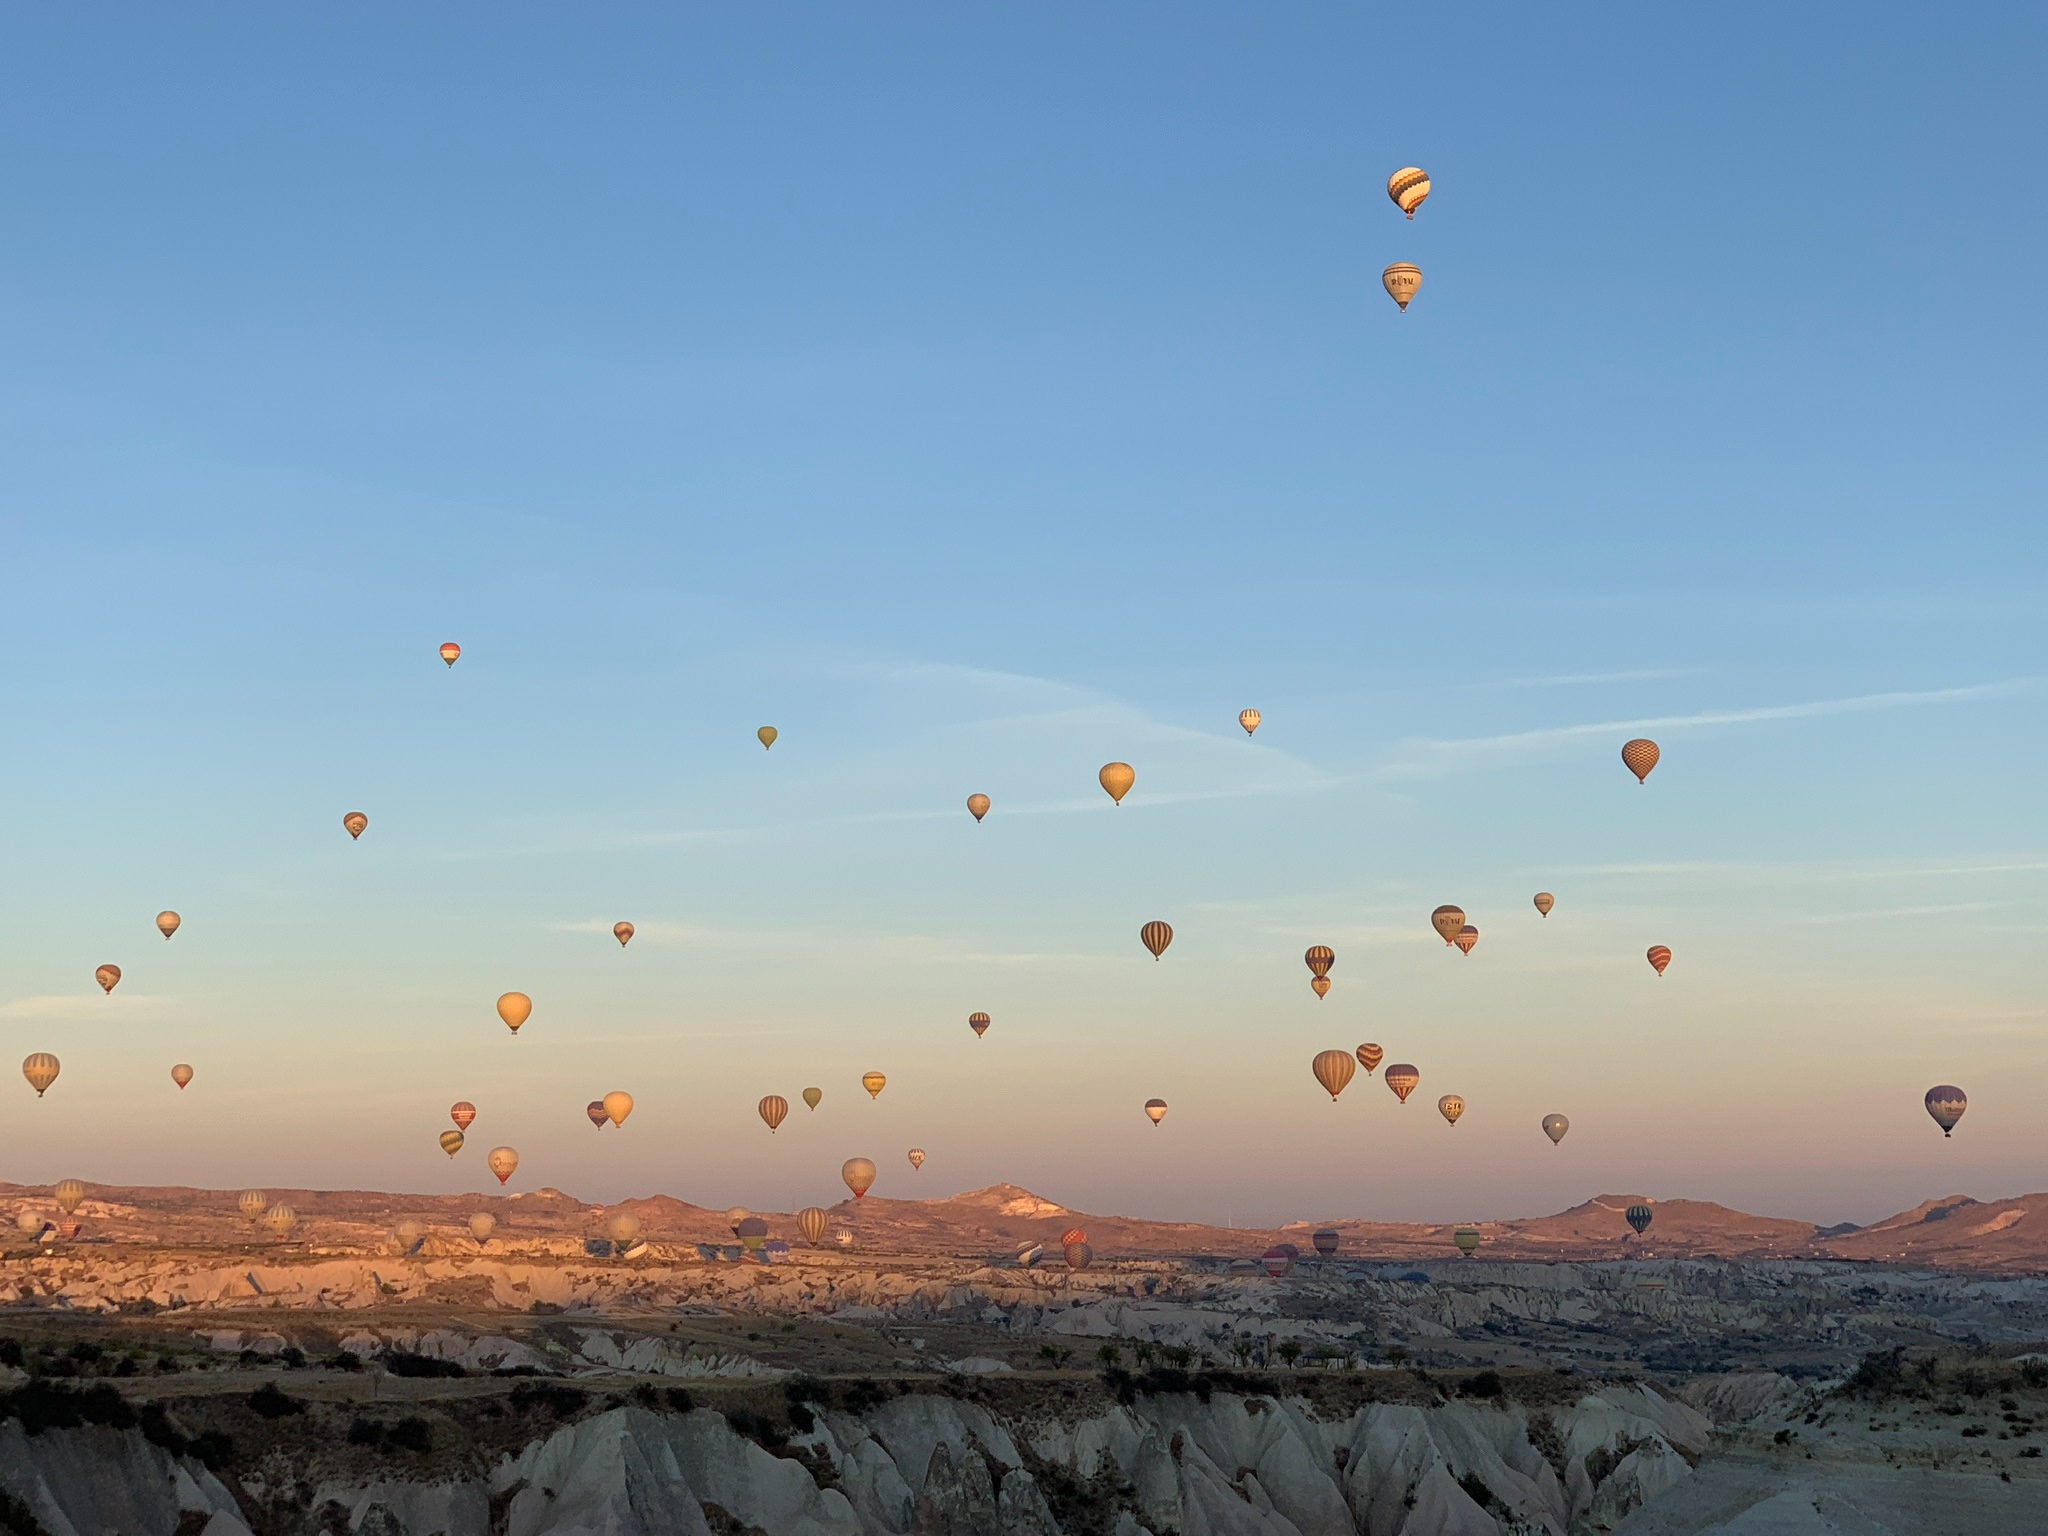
(168, 923)
(1467, 1239)
(1544, 902)
(451, 1142)
(108, 976)
(451, 652)
(1554, 1126)
(1155, 936)
(1447, 920)
(1117, 779)
(623, 932)
(1319, 959)
(1333, 1069)
(281, 1218)
(1467, 939)
(41, 1070)
(410, 1235)
(874, 1082)
(1450, 1106)
(774, 1109)
(1403, 280)
(504, 1162)
(1640, 756)
(812, 1096)
(70, 1195)
(767, 735)
(253, 1203)
(811, 1222)
(1408, 187)
(859, 1175)
(1370, 1056)
(623, 1229)
(356, 822)
(1155, 1110)
(1249, 719)
(181, 1074)
(917, 1157)
(1659, 956)
(515, 1008)
(481, 1226)
(617, 1105)
(1320, 985)
(978, 804)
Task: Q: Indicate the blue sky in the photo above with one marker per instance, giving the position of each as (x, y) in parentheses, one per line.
(979, 398)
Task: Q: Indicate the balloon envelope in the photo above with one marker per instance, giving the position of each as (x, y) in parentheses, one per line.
(859, 1175)
(766, 736)
(734, 1216)
(1946, 1103)
(1277, 1261)
(617, 1105)
(978, 1022)
(41, 1070)
(1078, 1255)
(874, 1082)
(1450, 1106)
(1320, 985)
(1155, 936)
(482, 1225)
(1155, 1110)
(181, 1074)
(1554, 1126)
(1319, 958)
(463, 1113)
(1641, 756)
(1467, 939)
(1117, 779)
(450, 652)
(167, 923)
(108, 976)
(409, 1233)
(280, 1218)
(70, 1194)
(1408, 187)
(1402, 1078)
(812, 1096)
(1403, 280)
(1659, 957)
(1639, 1217)
(1249, 719)
(1073, 1235)
(515, 1008)
(504, 1162)
(1333, 1069)
(623, 932)
(917, 1157)
(253, 1203)
(596, 1111)
(811, 1222)
(1467, 1239)
(623, 1228)
(451, 1142)
(1544, 902)
(1326, 1243)
(978, 806)
(773, 1109)
(1370, 1056)
(356, 822)
(1447, 920)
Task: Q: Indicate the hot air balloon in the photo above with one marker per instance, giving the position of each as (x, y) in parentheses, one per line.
(1326, 1243)
(1078, 1255)
(463, 1113)
(1155, 1110)
(623, 1229)
(253, 1203)
(451, 1142)
(1467, 1239)
(181, 1074)
(41, 1070)
(1447, 921)
(859, 1175)
(1641, 756)
(1249, 719)
(596, 1111)
(1402, 1078)
(1659, 956)
(109, 977)
(1408, 187)
(1029, 1253)
(1450, 1106)
(735, 1216)
(774, 1109)
(1155, 936)
(617, 1105)
(874, 1082)
(481, 1226)
(1467, 939)
(623, 932)
(1403, 280)
(410, 1235)
(355, 821)
(515, 1008)
(280, 1218)
(167, 923)
(1639, 1217)
(812, 1097)
(978, 1022)
(1073, 1235)
(1370, 1056)
(70, 1195)
(30, 1223)
(917, 1157)
(767, 735)
(1333, 1069)
(1278, 1261)
(504, 1162)
(451, 652)
(978, 806)
(1544, 902)
(1554, 1126)
(1320, 985)
(1946, 1104)
(1117, 779)
(1319, 959)
(811, 1222)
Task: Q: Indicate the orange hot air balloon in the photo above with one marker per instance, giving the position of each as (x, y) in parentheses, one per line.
(463, 1113)
(1447, 920)
(451, 652)
(1402, 1078)
(1370, 1056)
(1319, 959)
(515, 1008)
(1320, 985)
(978, 1022)
(1544, 902)
(1117, 779)
(168, 923)
(1659, 957)
(1249, 719)
(874, 1082)
(181, 1074)
(812, 1096)
(108, 976)
(1155, 936)
(774, 1109)
(917, 1158)
(1403, 280)
(596, 1113)
(1641, 756)
(1450, 1106)
(859, 1175)
(41, 1070)
(978, 806)
(617, 1105)
(1333, 1069)
(811, 1222)
(1408, 187)
(504, 1162)
(451, 1142)
(766, 736)
(1155, 1110)
(1073, 1235)
(1467, 939)
(355, 821)
(623, 932)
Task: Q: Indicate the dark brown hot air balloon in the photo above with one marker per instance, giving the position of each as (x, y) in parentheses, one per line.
(978, 1022)
(1078, 1255)
(623, 932)
(1319, 958)
(599, 1116)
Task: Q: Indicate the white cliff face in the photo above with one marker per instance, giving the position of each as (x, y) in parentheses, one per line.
(86, 1482)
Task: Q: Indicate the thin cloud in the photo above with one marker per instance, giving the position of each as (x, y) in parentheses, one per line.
(71, 1005)
(1578, 679)
(1869, 915)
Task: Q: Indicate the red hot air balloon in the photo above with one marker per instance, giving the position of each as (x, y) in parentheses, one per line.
(463, 1113)
(1073, 1235)
(1277, 1261)
(451, 652)
(1659, 957)
(1467, 939)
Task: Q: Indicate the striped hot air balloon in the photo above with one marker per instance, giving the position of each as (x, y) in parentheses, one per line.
(1370, 1056)
(1333, 1069)
(1116, 780)
(1408, 187)
(1319, 958)
(1640, 1216)
(1326, 1243)
(1403, 280)
(463, 1113)
(1946, 1103)
(1467, 939)
(774, 1109)
(168, 923)
(1659, 956)
(281, 1218)
(1402, 1078)
(70, 1195)
(811, 1222)
(978, 1022)
(1155, 936)
(1450, 1106)
(1447, 920)
(1544, 902)
(451, 1142)
(1467, 1239)
(451, 652)
(1554, 1126)
(252, 1203)
(1249, 719)
(1155, 1110)
(1641, 756)
(41, 1069)
(1277, 1261)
